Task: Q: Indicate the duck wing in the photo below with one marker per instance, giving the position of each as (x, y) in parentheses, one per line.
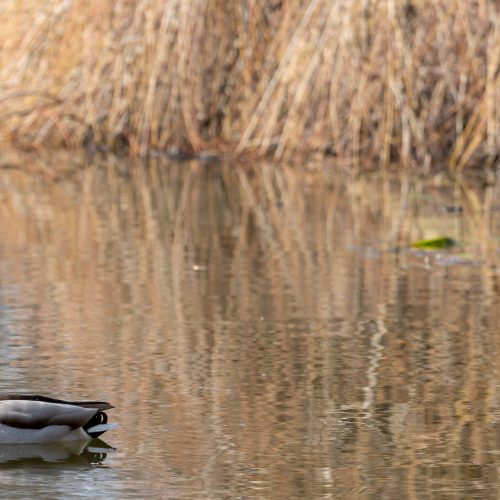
(99, 405)
(34, 414)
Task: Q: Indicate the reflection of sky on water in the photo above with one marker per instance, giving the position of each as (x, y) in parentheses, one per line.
(13, 317)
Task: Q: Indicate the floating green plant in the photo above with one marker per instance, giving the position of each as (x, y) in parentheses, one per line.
(435, 243)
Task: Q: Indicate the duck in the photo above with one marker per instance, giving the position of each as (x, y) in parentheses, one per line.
(35, 419)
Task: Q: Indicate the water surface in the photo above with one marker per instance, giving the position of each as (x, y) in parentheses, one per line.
(263, 332)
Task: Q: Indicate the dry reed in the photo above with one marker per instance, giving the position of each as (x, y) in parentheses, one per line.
(409, 81)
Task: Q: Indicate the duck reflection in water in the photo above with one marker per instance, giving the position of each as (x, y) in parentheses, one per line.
(65, 454)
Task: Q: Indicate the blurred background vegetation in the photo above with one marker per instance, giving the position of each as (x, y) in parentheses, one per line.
(413, 82)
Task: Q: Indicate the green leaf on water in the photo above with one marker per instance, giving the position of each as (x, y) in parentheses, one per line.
(435, 243)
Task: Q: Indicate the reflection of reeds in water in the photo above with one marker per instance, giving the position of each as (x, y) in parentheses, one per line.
(412, 81)
(268, 309)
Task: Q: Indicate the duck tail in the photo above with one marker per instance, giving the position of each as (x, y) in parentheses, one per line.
(99, 429)
(98, 424)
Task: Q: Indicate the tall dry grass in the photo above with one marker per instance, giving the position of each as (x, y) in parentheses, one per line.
(409, 81)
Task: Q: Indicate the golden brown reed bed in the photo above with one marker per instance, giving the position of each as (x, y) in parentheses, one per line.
(409, 81)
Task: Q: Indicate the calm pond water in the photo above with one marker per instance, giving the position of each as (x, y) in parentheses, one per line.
(263, 332)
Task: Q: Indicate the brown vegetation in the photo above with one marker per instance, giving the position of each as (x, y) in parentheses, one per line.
(410, 81)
